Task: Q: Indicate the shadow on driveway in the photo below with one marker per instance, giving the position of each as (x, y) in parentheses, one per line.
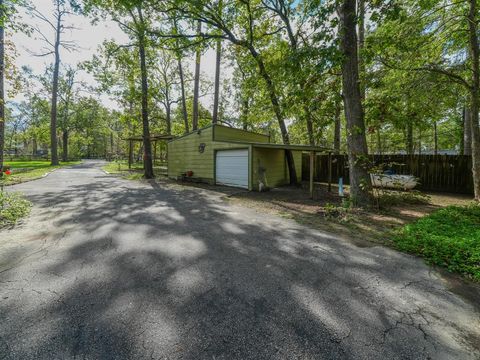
(133, 270)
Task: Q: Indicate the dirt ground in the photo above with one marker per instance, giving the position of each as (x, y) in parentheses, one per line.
(325, 212)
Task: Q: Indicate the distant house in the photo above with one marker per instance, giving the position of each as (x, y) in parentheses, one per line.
(222, 155)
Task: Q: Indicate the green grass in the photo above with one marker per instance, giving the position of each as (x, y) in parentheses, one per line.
(13, 207)
(135, 173)
(449, 237)
(29, 170)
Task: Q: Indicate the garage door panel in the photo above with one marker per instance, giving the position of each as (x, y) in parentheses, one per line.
(232, 167)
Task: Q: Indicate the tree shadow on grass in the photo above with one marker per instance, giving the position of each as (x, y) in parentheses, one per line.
(144, 271)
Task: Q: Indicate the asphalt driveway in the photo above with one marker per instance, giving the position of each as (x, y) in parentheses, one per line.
(105, 268)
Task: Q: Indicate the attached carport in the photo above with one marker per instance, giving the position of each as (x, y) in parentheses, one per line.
(250, 164)
(312, 150)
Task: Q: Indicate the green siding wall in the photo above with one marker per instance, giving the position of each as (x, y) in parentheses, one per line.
(223, 133)
(270, 167)
(183, 155)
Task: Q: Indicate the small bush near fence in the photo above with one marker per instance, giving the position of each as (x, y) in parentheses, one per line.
(13, 207)
(449, 237)
(444, 173)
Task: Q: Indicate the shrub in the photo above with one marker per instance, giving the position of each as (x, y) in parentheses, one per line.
(449, 237)
(13, 207)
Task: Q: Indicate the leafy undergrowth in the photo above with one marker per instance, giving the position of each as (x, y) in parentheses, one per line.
(22, 171)
(13, 207)
(449, 237)
(330, 214)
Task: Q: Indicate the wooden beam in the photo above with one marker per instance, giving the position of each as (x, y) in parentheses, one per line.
(312, 157)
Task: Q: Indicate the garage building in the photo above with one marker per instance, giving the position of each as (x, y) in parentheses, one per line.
(223, 155)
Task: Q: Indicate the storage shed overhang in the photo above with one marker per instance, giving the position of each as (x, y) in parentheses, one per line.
(139, 138)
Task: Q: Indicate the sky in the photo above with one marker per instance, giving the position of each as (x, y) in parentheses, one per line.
(88, 38)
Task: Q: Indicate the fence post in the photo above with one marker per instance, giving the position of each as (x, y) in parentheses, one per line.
(329, 171)
(312, 157)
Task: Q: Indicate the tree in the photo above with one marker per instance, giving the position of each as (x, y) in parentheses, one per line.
(130, 17)
(52, 47)
(356, 141)
(439, 37)
(179, 54)
(6, 14)
(164, 84)
(67, 94)
(216, 94)
(2, 84)
(225, 20)
(196, 81)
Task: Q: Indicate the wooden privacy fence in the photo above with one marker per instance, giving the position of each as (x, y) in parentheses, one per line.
(443, 173)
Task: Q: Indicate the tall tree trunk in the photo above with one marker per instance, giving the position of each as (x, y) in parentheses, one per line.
(147, 145)
(216, 95)
(309, 121)
(467, 132)
(168, 112)
(462, 139)
(360, 183)
(184, 99)
(168, 106)
(245, 111)
(2, 87)
(53, 112)
(304, 98)
(65, 145)
(338, 127)
(111, 143)
(196, 82)
(182, 83)
(361, 45)
(34, 146)
(474, 95)
(278, 113)
(409, 138)
(435, 138)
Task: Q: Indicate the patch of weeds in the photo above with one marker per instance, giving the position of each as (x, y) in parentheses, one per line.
(346, 203)
(387, 199)
(332, 211)
(449, 237)
(13, 207)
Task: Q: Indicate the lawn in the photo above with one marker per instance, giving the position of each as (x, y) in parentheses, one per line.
(449, 237)
(135, 173)
(29, 170)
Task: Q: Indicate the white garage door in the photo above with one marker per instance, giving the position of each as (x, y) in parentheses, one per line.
(232, 168)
